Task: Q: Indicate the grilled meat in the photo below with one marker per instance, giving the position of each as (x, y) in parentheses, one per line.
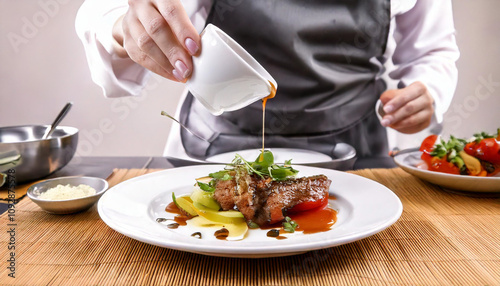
(224, 194)
(284, 195)
(264, 201)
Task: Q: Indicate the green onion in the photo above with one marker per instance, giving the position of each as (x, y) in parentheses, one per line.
(289, 225)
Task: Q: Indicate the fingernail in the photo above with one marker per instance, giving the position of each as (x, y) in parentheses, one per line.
(388, 108)
(181, 68)
(191, 46)
(385, 122)
(177, 75)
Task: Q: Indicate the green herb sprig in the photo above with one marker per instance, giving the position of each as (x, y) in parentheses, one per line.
(264, 166)
(483, 135)
(209, 188)
(452, 147)
(221, 175)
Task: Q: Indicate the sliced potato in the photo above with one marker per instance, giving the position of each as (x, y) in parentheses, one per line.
(224, 217)
(185, 204)
(204, 198)
(237, 231)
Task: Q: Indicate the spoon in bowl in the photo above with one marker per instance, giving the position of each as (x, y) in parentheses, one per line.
(183, 126)
(58, 120)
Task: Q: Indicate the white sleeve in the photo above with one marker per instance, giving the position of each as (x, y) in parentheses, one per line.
(118, 76)
(426, 50)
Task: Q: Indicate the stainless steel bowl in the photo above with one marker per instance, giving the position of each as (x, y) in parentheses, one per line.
(67, 206)
(22, 148)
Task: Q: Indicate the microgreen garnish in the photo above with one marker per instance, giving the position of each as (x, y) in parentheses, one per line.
(289, 225)
(264, 166)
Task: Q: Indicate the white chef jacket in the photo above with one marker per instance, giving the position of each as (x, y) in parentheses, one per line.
(423, 32)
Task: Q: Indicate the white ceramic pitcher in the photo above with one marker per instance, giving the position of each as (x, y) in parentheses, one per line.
(225, 76)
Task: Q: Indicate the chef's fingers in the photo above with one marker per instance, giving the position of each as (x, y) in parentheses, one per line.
(419, 104)
(414, 123)
(161, 38)
(389, 94)
(415, 113)
(135, 43)
(395, 99)
(180, 24)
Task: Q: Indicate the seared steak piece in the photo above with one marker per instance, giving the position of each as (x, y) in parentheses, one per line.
(284, 195)
(224, 194)
(264, 201)
(251, 194)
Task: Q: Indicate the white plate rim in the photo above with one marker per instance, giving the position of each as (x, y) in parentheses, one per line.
(266, 250)
(444, 179)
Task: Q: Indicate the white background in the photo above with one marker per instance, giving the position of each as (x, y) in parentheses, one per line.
(39, 75)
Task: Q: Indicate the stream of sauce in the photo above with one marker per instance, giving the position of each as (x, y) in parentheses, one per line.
(264, 101)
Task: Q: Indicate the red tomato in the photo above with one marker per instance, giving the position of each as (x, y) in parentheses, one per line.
(305, 206)
(487, 150)
(428, 143)
(440, 164)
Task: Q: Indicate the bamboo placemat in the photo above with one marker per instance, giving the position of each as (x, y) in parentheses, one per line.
(441, 239)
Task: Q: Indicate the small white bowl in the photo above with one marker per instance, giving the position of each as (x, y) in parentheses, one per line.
(71, 205)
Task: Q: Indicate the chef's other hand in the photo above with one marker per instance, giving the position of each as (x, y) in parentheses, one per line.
(407, 110)
(158, 35)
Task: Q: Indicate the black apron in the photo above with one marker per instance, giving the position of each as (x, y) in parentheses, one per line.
(325, 56)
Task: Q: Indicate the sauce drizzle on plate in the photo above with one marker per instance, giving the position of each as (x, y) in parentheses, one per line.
(311, 221)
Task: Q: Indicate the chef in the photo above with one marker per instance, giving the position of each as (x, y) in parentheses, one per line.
(327, 57)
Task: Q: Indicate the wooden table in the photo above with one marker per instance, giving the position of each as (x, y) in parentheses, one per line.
(442, 238)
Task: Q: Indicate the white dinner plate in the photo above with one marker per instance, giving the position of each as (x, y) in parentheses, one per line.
(410, 162)
(364, 208)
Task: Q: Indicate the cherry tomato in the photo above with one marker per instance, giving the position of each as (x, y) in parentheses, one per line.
(487, 150)
(428, 143)
(305, 206)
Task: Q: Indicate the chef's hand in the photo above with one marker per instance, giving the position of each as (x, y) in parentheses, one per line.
(408, 110)
(158, 35)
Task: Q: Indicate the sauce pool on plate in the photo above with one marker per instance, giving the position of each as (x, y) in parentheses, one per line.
(311, 221)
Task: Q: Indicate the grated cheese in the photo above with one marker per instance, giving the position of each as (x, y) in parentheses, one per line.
(67, 192)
